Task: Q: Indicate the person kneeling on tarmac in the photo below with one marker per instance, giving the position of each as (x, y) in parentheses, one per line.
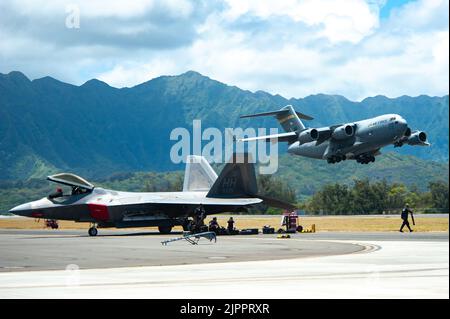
(214, 225)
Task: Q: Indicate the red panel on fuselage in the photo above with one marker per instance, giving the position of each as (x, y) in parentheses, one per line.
(99, 212)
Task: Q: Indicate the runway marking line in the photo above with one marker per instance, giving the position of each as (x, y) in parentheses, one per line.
(230, 280)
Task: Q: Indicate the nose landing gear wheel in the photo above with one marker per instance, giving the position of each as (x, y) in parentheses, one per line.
(92, 231)
(187, 225)
(165, 229)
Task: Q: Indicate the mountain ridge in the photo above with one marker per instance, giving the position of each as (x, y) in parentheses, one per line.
(96, 129)
(21, 74)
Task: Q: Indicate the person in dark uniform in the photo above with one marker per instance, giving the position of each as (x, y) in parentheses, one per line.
(230, 226)
(214, 225)
(199, 218)
(405, 214)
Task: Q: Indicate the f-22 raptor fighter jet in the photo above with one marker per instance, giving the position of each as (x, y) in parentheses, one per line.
(361, 140)
(204, 193)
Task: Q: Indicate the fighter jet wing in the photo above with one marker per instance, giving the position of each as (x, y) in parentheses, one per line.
(289, 137)
(230, 201)
(185, 198)
(277, 203)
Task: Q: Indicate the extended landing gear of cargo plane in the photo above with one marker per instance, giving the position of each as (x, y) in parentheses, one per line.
(365, 159)
(93, 231)
(336, 159)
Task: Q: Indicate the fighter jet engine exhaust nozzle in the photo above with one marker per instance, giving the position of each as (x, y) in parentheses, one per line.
(343, 132)
(418, 138)
(308, 136)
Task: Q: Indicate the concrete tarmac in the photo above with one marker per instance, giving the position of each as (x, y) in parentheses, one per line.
(24, 250)
(68, 264)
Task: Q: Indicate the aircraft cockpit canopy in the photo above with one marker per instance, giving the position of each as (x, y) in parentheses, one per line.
(79, 185)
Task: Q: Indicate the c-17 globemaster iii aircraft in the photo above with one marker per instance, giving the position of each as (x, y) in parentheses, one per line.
(361, 140)
(204, 193)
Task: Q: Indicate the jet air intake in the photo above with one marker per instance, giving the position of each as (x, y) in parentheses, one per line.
(344, 131)
(417, 138)
(308, 136)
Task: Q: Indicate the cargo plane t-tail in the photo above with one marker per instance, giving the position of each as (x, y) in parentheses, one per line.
(361, 140)
(234, 190)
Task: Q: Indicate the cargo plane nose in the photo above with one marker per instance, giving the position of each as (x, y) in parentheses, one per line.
(402, 125)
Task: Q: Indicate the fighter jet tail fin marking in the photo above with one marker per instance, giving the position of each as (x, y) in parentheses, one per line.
(237, 179)
(198, 175)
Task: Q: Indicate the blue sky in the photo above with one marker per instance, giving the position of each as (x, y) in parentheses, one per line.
(389, 5)
(355, 48)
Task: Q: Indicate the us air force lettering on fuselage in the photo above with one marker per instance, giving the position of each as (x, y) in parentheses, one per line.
(234, 190)
(361, 140)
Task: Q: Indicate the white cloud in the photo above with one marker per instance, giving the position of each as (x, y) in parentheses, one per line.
(441, 48)
(341, 20)
(130, 72)
(292, 47)
(91, 8)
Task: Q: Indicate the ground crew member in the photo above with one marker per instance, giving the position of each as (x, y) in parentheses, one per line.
(405, 214)
(230, 223)
(199, 218)
(213, 225)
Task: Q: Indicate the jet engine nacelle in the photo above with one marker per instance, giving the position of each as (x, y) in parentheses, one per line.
(417, 138)
(308, 136)
(407, 132)
(344, 131)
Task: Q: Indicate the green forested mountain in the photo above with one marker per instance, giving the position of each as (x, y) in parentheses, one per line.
(96, 130)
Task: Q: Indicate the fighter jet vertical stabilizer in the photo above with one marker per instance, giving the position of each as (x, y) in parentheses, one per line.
(199, 176)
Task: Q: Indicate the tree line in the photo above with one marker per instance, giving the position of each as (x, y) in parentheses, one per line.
(365, 197)
(360, 197)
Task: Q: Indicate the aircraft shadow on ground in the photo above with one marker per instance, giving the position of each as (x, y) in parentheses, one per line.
(139, 234)
(106, 235)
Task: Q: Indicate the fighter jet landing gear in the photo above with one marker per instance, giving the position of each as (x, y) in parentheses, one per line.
(197, 225)
(93, 231)
(165, 229)
(187, 225)
(365, 159)
(336, 159)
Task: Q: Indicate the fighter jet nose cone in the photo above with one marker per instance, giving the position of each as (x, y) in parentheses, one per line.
(21, 210)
